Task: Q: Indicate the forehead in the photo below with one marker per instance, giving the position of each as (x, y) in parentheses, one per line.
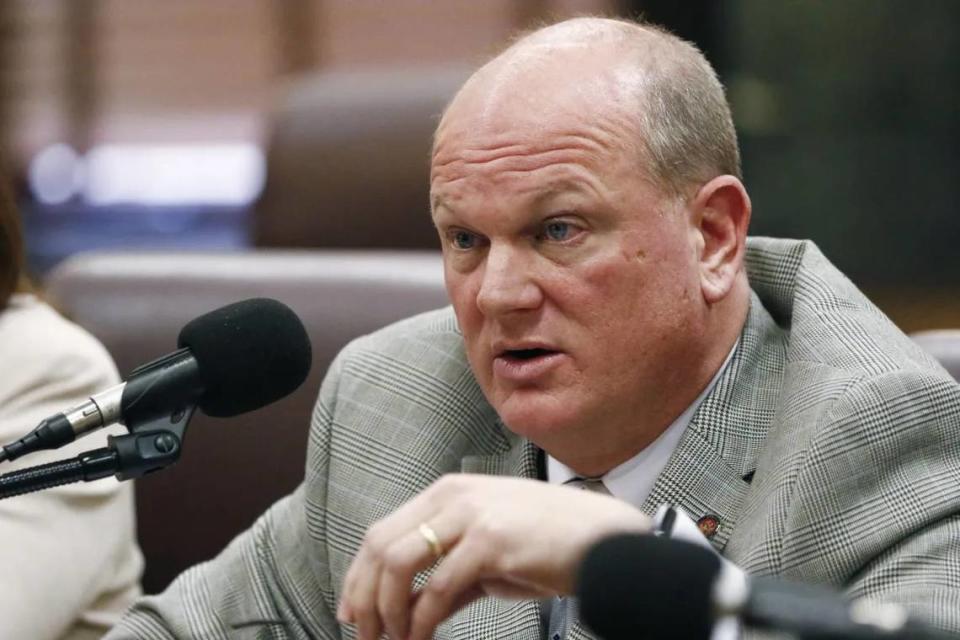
(535, 90)
(543, 125)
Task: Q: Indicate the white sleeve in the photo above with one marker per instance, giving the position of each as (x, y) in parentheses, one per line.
(69, 556)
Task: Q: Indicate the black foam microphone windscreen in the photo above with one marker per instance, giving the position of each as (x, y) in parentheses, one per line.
(249, 353)
(641, 586)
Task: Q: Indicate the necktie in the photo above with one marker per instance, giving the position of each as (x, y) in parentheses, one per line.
(563, 611)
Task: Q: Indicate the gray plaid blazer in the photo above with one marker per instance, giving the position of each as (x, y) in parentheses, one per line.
(828, 451)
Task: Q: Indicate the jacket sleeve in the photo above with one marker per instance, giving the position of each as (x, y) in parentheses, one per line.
(880, 508)
(272, 581)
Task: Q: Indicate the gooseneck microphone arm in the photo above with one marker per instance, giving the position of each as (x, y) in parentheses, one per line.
(89, 466)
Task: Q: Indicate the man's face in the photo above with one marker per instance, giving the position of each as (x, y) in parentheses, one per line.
(574, 280)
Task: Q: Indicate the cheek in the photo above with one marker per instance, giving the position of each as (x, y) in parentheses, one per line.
(631, 300)
(607, 288)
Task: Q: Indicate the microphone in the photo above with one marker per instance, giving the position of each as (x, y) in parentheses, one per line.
(229, 361)
(643, 586)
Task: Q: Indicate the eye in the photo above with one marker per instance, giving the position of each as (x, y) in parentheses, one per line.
(557, 231)
(463, 240)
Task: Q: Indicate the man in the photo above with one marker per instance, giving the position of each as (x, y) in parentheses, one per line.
(609, 325)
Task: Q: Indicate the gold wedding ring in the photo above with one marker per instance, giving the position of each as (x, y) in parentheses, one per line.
(432, 540)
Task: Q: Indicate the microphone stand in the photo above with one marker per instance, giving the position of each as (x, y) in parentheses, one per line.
(151, 445)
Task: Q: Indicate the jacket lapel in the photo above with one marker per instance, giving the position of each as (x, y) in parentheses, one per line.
(578, 632)
(710, 471)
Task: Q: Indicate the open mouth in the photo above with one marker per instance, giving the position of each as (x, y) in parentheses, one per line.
(526, 354)
(526, 366)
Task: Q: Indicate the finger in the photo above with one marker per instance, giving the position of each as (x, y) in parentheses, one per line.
(455, 582)
(344, 609)
(360, 584)
(348, 591)
(359, 601)
(406, 557)
(362, 598)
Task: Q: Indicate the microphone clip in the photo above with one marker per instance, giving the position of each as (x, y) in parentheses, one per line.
(156, 432)
(150, 446)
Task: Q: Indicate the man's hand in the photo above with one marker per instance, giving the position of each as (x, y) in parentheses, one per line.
(499, 536)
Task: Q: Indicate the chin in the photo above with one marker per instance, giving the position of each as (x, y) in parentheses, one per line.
(536, 418)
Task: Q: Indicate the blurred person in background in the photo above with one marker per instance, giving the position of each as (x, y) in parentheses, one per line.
(69, 555)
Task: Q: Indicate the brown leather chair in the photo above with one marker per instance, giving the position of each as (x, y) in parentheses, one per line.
(348, 160)
(233, 469)
(944, 345)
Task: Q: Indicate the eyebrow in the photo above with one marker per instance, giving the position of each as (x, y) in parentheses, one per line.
(561, 187)
(564, 187)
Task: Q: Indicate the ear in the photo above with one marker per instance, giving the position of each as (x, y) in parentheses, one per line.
(721, 215)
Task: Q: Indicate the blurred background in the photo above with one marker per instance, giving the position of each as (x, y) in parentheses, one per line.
(230, 124)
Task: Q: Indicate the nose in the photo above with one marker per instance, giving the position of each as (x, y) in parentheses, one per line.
(508, 282)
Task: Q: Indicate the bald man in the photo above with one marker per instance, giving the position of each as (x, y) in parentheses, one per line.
(611, 327)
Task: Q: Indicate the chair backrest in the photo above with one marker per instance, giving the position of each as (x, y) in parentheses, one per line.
(944, 345)
(231, 471)
(348, 160)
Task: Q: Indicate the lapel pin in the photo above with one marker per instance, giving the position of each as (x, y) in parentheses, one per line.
(708, 525)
